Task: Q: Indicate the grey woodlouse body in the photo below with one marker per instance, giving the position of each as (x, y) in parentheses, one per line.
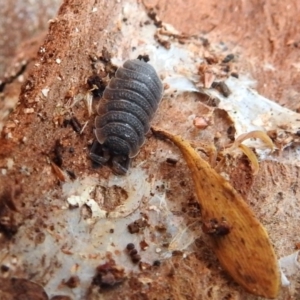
(129, 103)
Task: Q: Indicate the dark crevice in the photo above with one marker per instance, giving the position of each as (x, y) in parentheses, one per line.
(12, 78)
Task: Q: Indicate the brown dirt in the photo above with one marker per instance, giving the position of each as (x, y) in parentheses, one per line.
(262, 34)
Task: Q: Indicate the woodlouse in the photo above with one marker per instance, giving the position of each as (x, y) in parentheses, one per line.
(128, 105)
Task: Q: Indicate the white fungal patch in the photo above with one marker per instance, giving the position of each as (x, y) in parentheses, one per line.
(289, 266)
(251, 111)
(88, 238)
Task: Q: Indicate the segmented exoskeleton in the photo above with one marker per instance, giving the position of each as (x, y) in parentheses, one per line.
(129, 103)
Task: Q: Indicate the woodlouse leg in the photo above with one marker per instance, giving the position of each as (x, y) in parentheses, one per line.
(98, 154)
(121, 164)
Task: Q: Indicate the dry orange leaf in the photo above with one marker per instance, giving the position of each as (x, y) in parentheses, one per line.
(238, 239)
(247, 151)
(252, 157)
(254, 134)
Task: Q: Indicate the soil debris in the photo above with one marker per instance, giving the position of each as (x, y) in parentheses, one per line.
(109, 275)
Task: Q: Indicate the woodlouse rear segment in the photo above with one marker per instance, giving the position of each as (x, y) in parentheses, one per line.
(129, 103)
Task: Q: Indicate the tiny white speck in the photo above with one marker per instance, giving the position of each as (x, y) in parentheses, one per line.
(28, 110)
(157, 250)
(94, 9)
(74, 201)
(45, 92)
(3, 171)
(58, 60)
(21, 78)
(51, 21)
(9, 163)
(153, 207)
(14, 260)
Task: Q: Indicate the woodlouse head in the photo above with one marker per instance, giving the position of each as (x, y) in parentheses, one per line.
(116, 146)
